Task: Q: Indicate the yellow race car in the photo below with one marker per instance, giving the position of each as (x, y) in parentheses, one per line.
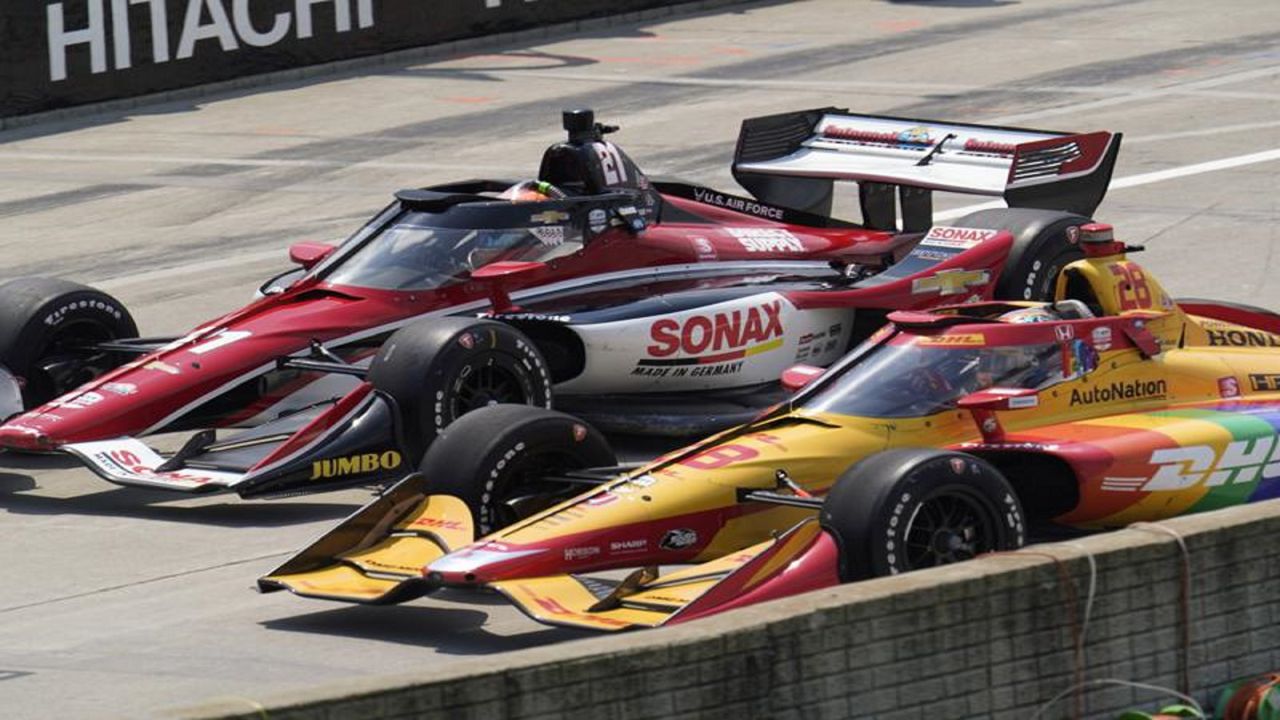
(946, 435)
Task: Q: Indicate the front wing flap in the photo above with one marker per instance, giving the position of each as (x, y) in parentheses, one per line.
(646, 599)
(377, 555)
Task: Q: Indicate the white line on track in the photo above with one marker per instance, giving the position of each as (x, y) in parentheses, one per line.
(894, 88)
(241, 162)
(1145, 178)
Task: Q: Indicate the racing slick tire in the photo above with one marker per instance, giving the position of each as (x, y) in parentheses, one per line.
(493, 458)
(912, 508)
(1044, 242)
(440, 369)
(46, 326)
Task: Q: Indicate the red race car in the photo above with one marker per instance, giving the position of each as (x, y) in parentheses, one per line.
(630, 298)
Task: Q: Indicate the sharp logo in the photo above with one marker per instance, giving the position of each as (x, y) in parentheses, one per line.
(111, 28)
(362, 464)
(1182, 468)
(950, 282)
(720, 332)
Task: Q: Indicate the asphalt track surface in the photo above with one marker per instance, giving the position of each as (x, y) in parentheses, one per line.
(121, 603)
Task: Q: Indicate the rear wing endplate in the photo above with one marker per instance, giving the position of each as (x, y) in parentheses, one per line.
(794, 160)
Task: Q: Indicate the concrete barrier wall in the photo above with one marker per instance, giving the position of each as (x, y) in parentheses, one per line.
(990, 638)
(61, 53)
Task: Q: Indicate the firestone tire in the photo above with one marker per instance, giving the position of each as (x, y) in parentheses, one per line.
(438, 370)
(908, 509)
(45, 326)
(1044, 242)
(492, 459)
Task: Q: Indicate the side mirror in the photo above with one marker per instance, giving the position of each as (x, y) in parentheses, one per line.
(998, 398)
(309, 254)
(983, 405)
(505, 269)
(797, 377)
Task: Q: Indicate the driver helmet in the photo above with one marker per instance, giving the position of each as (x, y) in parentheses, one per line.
(532, 191)
(1035, 314)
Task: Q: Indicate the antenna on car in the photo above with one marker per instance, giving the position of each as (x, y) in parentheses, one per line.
(583, 128)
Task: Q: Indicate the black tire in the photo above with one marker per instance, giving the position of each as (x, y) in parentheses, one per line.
(46, 325)
(493, 456)
(911, 508)
(1043, 243)
(438, 370)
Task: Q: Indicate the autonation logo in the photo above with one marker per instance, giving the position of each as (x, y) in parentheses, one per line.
(110, 33)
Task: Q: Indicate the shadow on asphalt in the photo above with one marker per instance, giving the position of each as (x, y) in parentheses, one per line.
(451, 631)
(17, 496)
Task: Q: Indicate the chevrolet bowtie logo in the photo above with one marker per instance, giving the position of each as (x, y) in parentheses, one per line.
(951, 282)
(550, 217)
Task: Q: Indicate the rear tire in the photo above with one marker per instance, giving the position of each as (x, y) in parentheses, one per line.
(439, 370)
(912, 508)
(492, 459)
(1044, 242)
(46, 325)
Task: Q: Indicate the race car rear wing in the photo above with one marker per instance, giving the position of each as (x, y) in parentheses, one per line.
(794, 160)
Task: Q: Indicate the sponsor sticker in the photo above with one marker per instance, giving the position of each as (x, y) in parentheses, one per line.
(1181, 468)
(581, 553)
(954, 237)
(79, 402)
(597, 220)
(1064, 333)
(742, 205)
(549, 236)
(959, 339)
(950, 282)
(624, 547)
(1242, 338)
(1120, 390)
(1228, 387)
(704, 248)
(550, 217)
(1101, 337)
(767, 240)
(1264, 382)
(679, 539)
(355, 465)
(119, 388)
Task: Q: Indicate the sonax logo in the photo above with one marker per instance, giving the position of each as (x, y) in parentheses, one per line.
(717, 333)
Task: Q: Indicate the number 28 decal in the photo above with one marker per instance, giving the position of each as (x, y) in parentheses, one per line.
(1132, 291)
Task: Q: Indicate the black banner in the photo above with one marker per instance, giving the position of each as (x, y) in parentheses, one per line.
(58, 53)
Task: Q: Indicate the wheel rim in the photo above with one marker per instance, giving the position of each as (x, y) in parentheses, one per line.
(490, 383)
(950, 525)
(67, 361)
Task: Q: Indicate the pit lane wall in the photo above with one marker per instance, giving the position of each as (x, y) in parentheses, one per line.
(989, 638)
(60, 53)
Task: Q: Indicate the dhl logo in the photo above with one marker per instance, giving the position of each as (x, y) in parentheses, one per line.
(1182, 468)
(952, 340)
(355, 465)
(951, 282)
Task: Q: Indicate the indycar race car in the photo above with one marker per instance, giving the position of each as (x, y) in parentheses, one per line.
(616, 291)
(946, 435)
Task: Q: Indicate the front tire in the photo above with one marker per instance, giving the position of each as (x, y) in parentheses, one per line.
(493, 460)
(47, 329)
(439, 370)
(1044, 242)
(908, 509)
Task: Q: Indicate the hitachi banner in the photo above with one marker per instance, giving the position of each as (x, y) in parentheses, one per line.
(67, 52)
